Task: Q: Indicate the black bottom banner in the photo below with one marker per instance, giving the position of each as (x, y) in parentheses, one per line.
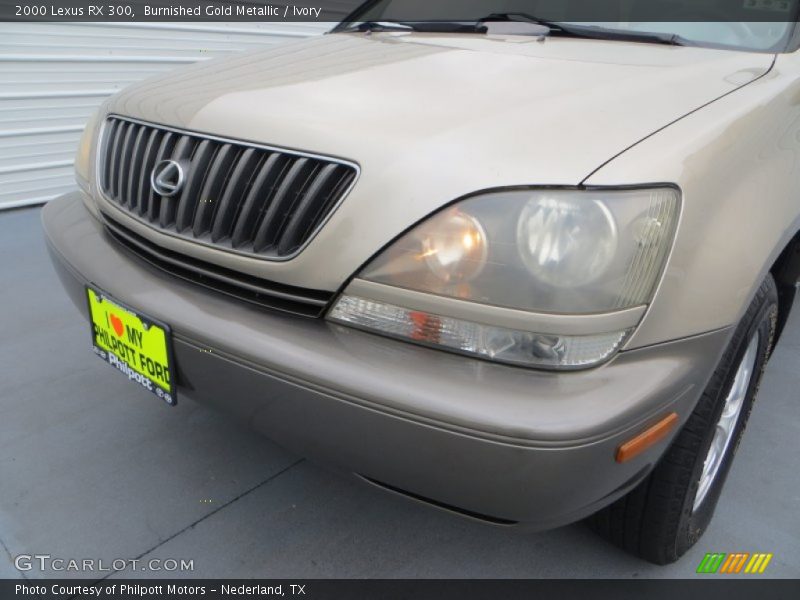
(390, 589)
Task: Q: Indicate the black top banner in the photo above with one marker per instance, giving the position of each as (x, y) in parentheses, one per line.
(335, 11)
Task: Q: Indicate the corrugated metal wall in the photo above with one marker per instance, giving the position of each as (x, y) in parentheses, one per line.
(53, 75)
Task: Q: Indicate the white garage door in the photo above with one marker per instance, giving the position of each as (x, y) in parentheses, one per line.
(53, 75)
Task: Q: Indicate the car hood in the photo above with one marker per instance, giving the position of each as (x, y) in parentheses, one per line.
(432, 117)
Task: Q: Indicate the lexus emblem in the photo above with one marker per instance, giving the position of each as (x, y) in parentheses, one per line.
(167, 178)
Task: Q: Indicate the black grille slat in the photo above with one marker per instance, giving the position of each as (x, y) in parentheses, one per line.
(125, 163)
(284, 198)
(137, 155)
(236, 196)
(138, 204)
(194, 183)
(256, 202)
(324, 208)
(169, 208)
(115, 158)
(303, 216)
(233, 196)
(300, 301)
(209, 196)
(113, 127)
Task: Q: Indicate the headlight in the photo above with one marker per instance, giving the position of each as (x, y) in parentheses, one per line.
(566, 242)
(83, 158)
(541, 256)
(454, 247)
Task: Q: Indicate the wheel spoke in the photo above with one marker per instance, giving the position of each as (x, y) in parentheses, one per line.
(724, 430)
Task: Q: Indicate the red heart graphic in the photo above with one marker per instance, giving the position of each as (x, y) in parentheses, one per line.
(116, 323)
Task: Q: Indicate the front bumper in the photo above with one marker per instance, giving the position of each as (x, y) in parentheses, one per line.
(504, 442)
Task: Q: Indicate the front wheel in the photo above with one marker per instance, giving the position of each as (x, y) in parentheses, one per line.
(669, 511)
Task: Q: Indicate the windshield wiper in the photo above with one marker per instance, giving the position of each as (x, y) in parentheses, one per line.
(419, 26)
(378, 26)
(588, 31)
(548, 28)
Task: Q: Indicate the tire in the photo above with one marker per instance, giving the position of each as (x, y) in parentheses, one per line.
(668, 512)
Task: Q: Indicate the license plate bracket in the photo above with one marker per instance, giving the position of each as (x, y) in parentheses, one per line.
(138, 346)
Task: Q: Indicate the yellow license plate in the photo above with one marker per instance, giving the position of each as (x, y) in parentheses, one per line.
(135, 345)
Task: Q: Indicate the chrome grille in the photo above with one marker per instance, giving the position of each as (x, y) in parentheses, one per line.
(237, 196)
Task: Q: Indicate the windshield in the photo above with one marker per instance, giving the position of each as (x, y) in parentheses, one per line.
(701, 22)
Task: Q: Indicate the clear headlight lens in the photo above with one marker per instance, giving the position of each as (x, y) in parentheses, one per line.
(566, 242)
(83, 158)
(454, 247)
(552, 252)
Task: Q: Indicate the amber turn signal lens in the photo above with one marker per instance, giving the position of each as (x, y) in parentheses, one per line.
(647, 438)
